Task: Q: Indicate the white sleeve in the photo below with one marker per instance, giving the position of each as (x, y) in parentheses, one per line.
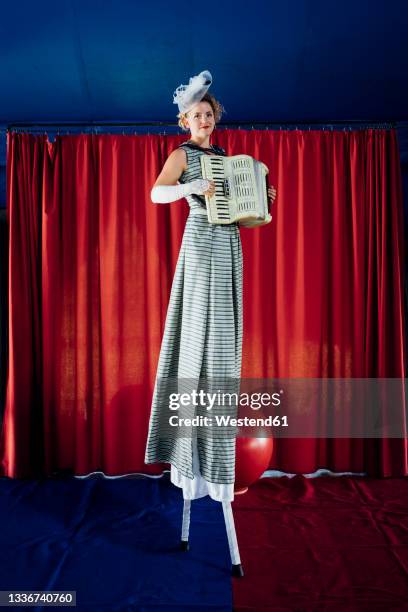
(162, 194)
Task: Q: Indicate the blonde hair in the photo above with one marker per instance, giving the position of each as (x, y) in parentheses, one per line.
(217, 107)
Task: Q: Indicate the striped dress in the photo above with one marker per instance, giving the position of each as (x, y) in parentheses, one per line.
(202, 339)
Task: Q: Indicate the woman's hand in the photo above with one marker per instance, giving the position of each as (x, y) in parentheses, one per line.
(272, 193)
(211, 189)
(201, 187)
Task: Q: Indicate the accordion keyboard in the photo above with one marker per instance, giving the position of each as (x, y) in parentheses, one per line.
(222, 188)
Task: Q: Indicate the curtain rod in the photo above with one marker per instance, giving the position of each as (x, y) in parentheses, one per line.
(390, 123)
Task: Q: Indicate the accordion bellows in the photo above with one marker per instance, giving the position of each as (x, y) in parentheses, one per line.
(240, 190)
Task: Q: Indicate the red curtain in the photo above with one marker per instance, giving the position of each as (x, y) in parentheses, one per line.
(91, 263)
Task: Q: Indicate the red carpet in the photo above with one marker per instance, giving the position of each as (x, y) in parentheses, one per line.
(323, 544)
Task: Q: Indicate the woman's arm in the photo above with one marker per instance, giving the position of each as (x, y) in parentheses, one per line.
(166, 188)
(175, 165)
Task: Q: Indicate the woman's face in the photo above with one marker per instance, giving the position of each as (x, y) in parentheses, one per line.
(200, 119)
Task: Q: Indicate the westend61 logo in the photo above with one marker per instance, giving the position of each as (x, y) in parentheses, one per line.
(208, 400)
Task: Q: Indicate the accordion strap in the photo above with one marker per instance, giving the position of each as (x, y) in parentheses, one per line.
(214, 149)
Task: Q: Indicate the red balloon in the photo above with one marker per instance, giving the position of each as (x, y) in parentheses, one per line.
(253, 456)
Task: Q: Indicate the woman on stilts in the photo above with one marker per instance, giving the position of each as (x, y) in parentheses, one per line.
(203, 331)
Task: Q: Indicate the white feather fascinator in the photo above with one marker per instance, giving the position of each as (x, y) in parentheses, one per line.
(186, 96)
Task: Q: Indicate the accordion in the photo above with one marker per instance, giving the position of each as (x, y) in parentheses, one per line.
(240, 190)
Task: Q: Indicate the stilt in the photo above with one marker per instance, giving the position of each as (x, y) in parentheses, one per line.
(185, 528)
(236, 567)
(232, 540)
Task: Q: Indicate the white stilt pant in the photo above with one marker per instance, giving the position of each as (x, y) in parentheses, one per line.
(231, 534)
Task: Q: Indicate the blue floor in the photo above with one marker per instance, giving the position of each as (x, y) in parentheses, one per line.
(115, 542)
